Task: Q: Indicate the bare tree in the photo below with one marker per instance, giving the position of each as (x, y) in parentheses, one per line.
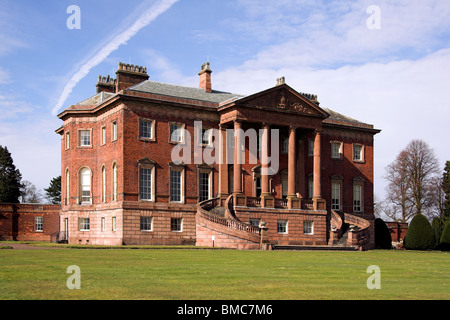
(30, 194)
(398, 190)
(412, 181)
(422, 167)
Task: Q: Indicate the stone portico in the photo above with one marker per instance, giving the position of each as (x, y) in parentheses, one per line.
(307, 178)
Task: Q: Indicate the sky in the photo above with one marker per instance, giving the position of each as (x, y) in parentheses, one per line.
(383, 62)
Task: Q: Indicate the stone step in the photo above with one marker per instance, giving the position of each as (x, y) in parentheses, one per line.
(310, 248)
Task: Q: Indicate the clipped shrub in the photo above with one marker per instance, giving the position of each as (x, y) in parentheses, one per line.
(438, 227)
(383, 239)
(445, 238)
(420, 234)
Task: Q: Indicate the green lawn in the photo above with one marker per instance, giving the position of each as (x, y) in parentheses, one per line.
(222, 274)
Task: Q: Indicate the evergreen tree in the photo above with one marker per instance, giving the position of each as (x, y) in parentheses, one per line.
(53, 192)
(10, 178)
(383, 239)
(445, 238)
(420, 234)
(438, 226)
(446, 188)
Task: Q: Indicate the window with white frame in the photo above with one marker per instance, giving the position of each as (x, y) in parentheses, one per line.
(103, 135)
(114, 197)
(85, 186)
(103, 184)
(38, 224)
(146, 179)
(85, 138)
(205, 137)
(357, 197)
(176, 184)
(336, 150)
(204, 185)
(146, 129)
(358, 152)
(176, 224)
(146, 183)
(282, 226)
(176, 132)
(146, 223)
(114, 130)
(336, 195)
(67, 186)
(114, 223)
(308, 227)
(103, 223)
(84, 224)
(67, 140)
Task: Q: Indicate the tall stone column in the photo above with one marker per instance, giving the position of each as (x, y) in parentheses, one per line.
(301, 183)
(318, 202)
(293, 200)
(267, 199)
(237, 179)
(264, 158)
(223, 166)
(239, 199)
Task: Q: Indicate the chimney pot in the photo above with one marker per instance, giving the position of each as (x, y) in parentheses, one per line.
(205, 77)
(281, 81)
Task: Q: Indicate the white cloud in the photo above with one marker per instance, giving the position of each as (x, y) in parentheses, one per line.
(324, 33)
(154, 9)
(167, 71)
(11, 108)
(395, 78)
(34, 146)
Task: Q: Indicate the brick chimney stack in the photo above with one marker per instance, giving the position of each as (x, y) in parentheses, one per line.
(205, 77)
(106, 84)
(129, 75)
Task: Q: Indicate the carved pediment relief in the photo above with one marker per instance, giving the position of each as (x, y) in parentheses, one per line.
(282, 99)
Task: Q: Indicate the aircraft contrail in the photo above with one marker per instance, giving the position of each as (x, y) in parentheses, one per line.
(144, 19)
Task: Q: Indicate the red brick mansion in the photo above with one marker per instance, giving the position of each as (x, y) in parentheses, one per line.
(145, 162)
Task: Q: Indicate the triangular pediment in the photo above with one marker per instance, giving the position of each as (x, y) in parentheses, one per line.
(283, 98)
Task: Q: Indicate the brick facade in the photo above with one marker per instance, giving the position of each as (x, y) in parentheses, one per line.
(117, 166)
(29, 222)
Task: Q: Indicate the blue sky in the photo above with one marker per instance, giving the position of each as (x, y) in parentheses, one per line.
(396, 77)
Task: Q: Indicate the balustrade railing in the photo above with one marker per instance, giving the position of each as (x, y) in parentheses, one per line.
(229, 220)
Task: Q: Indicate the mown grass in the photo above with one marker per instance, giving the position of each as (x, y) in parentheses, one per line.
(222, 274)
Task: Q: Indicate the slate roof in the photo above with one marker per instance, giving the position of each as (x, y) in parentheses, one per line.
(183, 92)
(215, 97)
(340, 117)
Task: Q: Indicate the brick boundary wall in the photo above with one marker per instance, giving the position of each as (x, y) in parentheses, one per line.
(17, 221)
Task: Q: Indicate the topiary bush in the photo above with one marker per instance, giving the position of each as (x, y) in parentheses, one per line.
(420, 235)
(438, 227)
(383, 239)
(444, 244)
